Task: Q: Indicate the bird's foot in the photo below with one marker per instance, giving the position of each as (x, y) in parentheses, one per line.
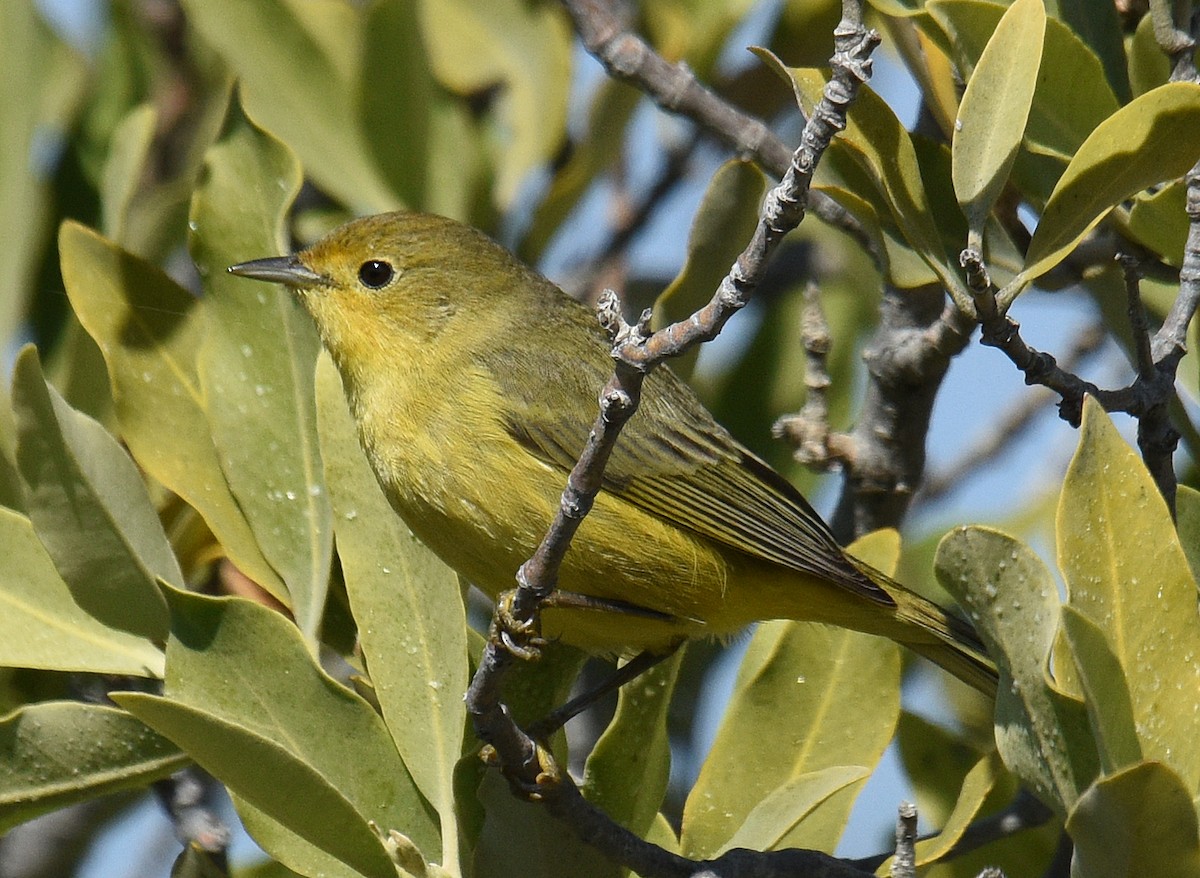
(542, 765)
(521, 638)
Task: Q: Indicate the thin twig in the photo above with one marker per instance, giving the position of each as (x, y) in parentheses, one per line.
(1011, 427)
(808, 430)
(904, 864)
(674, 87)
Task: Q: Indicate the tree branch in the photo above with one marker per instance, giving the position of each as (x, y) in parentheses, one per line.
(515, 628)
(674, 88)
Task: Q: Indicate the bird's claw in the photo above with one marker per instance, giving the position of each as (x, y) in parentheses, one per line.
(519, 637)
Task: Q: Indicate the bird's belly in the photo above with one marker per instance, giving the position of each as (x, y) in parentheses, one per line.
(485, 524)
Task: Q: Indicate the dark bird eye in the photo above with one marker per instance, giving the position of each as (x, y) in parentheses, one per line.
(375, 273)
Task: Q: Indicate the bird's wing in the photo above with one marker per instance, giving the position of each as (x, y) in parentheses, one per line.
(674, 461)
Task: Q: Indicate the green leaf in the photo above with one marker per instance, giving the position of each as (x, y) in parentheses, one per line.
(788, 717)
(977, 786)
(1042, 734)
(57, 753)
(1160, 222)
(1099, 25)
(1127, 574)
(1106, 692)
(526, 48)
(43, 81)
(627, 771)
(1141, 821)
(124, 168)
(1148, 66)
(287, 847)
(41, 625)
(1187, 523)
(90, 508)
(256, 364)
(994, 109)
(1071, 96)
(592, 154)
(150, 331)
(244, 698)
(722, 227)
(411, 621)
(885, 151)
(768, 825)
(297, 64)
(1146, 142)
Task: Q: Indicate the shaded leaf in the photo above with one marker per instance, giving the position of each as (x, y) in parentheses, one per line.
(43, 81)
(768, 825)
(41, 625)
(1042, 734)
(90, 508)
(150, 331)
(526, 48)
(627, 771)
(256, 363)
(723, 224)
(1187, 522)
(994, 109)
(1160, 222)
(411, 621)
(1127, 574)
(57, 753)
(310, 104)
(1105, 690)
(244, 698)
(124, 168)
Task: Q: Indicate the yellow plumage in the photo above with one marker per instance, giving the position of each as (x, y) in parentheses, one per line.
(473, 381)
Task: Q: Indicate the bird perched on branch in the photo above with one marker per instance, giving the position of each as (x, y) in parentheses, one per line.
(473, 381)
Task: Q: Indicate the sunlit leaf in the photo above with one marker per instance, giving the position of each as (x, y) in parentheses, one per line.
(1127, 574)
(410, 615)
(788, 717)
(256, 363)
(994, 109)
(1141, 821)
(1071, 96)
(1146, 142)
(880, 143)
(768, 825)
(627, 771)
(244, 698)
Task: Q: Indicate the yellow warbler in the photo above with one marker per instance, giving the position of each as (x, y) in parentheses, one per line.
(473, 381)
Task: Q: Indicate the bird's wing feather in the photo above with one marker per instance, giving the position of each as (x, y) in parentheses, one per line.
(675, 462)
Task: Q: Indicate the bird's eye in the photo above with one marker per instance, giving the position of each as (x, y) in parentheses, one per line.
(375, 273)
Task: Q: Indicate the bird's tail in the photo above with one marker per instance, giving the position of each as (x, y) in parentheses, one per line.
(954, 644)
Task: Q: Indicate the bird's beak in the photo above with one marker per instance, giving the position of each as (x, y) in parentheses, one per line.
(280, 270)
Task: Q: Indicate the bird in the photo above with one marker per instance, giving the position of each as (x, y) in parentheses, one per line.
(473, 382)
